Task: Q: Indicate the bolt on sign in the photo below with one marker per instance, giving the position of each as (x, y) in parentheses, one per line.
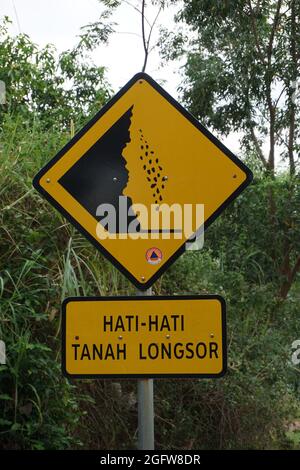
(144, 336)
(142, 179)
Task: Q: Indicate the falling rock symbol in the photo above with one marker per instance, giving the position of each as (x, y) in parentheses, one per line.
(152, 168)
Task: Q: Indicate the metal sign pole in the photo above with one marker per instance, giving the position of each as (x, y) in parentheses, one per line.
(145, 407)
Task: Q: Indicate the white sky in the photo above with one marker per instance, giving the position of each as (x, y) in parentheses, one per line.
(58, 22)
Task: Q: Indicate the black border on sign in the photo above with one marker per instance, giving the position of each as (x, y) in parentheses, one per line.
(142, 299)
(196, 123)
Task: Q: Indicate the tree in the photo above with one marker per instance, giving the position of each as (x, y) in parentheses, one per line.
(241, 71)
(147, 26)
(56, 90)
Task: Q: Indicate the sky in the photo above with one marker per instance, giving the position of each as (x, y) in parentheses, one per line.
(58, 22)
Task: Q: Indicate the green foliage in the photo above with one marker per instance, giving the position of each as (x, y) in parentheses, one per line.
(45, 95)
(252, 405)
(54, 89)
(31, 382)
(242, 61)
(261, 247)
(242, 64)
(43, 260)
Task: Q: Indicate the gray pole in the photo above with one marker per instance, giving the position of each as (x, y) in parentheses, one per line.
(145, 407)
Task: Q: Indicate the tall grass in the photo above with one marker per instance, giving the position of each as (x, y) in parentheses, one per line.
(42, 260)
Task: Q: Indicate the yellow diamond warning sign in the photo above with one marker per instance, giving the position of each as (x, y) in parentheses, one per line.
(142, 179)
(144, 336)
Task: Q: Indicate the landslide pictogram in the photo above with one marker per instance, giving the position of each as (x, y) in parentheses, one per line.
(100, 176)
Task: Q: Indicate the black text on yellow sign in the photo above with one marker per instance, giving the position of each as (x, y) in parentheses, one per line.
(146, 336)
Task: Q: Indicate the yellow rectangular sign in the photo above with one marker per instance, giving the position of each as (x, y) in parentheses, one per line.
(144, 336)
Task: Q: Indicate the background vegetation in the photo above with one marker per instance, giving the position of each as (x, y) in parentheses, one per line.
(251, 254)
